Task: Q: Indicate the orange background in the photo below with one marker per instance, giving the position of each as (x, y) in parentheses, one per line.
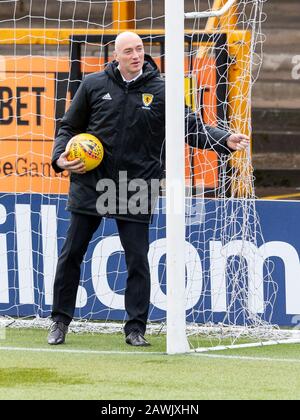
(25, 150)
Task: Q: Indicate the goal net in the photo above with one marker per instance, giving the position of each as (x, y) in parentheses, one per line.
(46, 49)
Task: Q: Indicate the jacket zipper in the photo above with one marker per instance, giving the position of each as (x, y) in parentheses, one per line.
(119, 151)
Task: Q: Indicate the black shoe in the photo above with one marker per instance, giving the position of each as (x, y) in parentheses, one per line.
(57, 333)
(136, 338)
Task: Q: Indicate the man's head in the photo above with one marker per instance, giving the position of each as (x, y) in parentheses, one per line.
(129, 52)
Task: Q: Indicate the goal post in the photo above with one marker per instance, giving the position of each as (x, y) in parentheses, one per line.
(175, 177)
(175, 173)
(249, 306)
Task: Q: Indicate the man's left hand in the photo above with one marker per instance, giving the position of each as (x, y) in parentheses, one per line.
(238, 142)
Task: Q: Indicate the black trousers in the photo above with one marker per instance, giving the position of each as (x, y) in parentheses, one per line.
(135, 241)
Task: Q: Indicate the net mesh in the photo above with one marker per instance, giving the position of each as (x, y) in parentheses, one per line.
(45, 50)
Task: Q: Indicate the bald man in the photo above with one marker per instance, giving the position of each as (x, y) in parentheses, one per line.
(124, 106)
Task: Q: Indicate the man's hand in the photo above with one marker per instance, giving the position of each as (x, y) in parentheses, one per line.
(76, 166)
(238, 142)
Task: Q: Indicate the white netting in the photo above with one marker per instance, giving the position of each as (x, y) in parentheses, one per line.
(45, 49)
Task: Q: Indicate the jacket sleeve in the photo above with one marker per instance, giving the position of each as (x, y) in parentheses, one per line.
(74, 122)
(204, 136)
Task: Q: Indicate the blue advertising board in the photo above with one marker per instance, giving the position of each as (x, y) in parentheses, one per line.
(33, 228)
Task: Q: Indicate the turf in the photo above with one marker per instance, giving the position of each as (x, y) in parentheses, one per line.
(260, 373)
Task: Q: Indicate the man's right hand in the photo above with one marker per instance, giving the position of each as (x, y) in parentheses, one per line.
(76, 166)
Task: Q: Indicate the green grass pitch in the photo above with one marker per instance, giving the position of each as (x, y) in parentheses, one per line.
(103, 367)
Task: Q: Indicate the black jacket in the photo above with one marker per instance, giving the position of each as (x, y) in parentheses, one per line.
(131, 129)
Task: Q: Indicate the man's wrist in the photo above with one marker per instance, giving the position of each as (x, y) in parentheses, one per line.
(56, 166)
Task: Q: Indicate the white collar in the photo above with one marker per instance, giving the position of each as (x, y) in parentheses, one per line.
(132, 80)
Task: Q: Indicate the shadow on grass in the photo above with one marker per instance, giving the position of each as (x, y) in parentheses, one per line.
(12, 377)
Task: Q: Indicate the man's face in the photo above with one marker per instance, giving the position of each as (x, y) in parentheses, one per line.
(130, 54)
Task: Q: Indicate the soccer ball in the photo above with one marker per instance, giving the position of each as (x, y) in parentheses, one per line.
(87, 148)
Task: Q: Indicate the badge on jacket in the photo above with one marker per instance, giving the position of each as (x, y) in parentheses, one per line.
(147, 99)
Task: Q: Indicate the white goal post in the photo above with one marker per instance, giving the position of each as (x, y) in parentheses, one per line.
(175, 177)
(175, 180)
(175, 173)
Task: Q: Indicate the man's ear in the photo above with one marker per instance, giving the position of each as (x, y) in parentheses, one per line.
(115, 55)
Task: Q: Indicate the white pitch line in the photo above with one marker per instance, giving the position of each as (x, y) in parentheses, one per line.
(136, 353)
(246, 358)
(91, 352)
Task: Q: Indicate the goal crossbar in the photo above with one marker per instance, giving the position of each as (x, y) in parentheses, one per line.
(211, 13)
